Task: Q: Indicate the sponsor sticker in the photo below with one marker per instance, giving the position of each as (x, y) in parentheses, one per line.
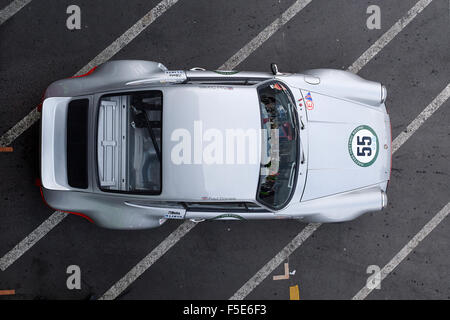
(309, 101)
(363, 146)
(173, 215)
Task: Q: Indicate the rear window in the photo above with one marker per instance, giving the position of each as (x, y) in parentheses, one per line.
(77, 132)
(130, 142)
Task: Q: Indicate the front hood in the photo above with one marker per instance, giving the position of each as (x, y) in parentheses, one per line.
(336, 162)
(203, 120)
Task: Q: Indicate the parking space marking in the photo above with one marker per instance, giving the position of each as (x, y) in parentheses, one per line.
(150, 259)
(294, 293)
(421, 118)
(262, 274)
(118, 44)
(284, 276)
(388, 36)
(30, 240)
(128, 35)
(12, 134)
(7, 292)
(270, 266)
(11, 9)
(262, 37)
(407, 249)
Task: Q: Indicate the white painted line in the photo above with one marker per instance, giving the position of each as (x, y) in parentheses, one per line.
(270, 266)
(24, 245)
(262, 37)
(129, 35)
(312, 227)
(407, 249)
(388, 36)
(7, 138)
(11, 9)
(104, 56)
(421, 118)
(150, 259)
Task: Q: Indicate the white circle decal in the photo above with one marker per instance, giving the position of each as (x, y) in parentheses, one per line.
(363, 146)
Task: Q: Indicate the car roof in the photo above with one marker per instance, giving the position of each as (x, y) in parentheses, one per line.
(215, 113)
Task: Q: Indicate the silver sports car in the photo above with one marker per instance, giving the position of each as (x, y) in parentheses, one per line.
(132, 144)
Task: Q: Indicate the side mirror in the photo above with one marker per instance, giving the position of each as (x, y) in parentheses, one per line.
(274, 68)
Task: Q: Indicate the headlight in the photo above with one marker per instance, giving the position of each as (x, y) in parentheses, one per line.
(383, 93)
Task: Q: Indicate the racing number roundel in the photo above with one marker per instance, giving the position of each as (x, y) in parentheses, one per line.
(363, 146)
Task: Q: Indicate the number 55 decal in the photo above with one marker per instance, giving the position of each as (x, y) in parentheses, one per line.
(363, 146)
(363, 151)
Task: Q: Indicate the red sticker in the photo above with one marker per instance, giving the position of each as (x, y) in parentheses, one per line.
(309, 101)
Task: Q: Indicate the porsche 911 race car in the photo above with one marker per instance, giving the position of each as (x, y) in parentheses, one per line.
(132, 144)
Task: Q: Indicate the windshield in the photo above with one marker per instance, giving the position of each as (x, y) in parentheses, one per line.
(279, 152)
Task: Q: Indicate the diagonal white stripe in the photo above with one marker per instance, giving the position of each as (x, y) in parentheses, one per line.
(262, 37)
(270, 266)
(388, 36)
(11, 9)
(421, 118)
(30, 240)
(150, 259)
(407, 249)
(129, 35)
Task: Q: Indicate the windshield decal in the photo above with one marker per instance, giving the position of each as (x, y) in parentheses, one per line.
(363, 146)
(309, 101)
